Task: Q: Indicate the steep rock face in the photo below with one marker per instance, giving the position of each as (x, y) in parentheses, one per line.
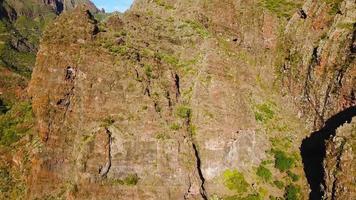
(166, 102)
(339, 163)
(320, 67)
(151, 113)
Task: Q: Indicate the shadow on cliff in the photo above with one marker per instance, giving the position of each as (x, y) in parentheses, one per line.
(313, 151)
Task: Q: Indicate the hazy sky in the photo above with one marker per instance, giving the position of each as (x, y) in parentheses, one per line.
(113, 5)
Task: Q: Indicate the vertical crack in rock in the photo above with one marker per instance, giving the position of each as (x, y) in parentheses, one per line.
(202, 179)
(188, 191)
(313, 151)
(177, 85)
(103, 171)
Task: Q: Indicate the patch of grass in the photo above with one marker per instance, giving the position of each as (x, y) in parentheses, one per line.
(235, 181)
(164, 4)
(278, 184)
(161, 136)
(108, 121)
(264, 173)
(292, 192)
(130, 180)
(264, 112)
(334, 6)
(255, 196)
(148, 71)
(15, 123)
(282, 161)
(348, 26)
(175, 126)
(184, 112)
(293, 176)
(281, 8)
(198, 27)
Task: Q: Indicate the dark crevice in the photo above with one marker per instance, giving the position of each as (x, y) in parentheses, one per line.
(104, 170)
(177, 85)
(202, 179)
(313, 151)
(3, 107)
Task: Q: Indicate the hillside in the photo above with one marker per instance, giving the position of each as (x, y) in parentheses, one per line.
(181, 99)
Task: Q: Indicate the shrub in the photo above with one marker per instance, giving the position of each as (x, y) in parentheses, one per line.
(281, 8)
(15, 123)
(264, 173)
(148, 71)
(183, 112)
(293, 176)
(175, 126)
(264, 112)
(197, 27)
(279, 184)
(108, 121)
(282, 161)
(292, 192)
(131, 179)
(235, 180)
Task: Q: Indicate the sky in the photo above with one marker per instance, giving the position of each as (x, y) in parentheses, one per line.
(113, 5)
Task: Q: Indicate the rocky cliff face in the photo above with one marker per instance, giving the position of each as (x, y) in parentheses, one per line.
(194, 100)
(340, 164)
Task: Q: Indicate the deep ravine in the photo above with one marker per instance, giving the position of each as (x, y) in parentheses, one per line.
(313, 151)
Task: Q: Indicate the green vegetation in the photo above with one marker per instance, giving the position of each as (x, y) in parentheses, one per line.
(334, 6)
(282, 161)
(15, 123)
(348, 26)
(292, 192)
(281, 8)
(264, 112)
(198, 27)
(184, 112)
(11, 186)
(235, 180)
(248, 197)
(264, 173)
(169, 59)
(148, 71)
(293, 176)
(5, 180)
(130, 180)
(161, 136)
(164, 4)
(175, 126)
(279, 184)
(108, 122)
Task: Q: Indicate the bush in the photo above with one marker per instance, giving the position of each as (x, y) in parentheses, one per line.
(15, 123)
(293, 176)
(282, 161)
(235, 180)
(264, 173)
(131, 179)
(279, 184)
(264, 112)
(183, 112)
(281, 8)
(292, 192)
(175, 126)
(148, 71)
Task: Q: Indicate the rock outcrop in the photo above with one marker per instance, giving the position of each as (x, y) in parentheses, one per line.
(340, 162)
